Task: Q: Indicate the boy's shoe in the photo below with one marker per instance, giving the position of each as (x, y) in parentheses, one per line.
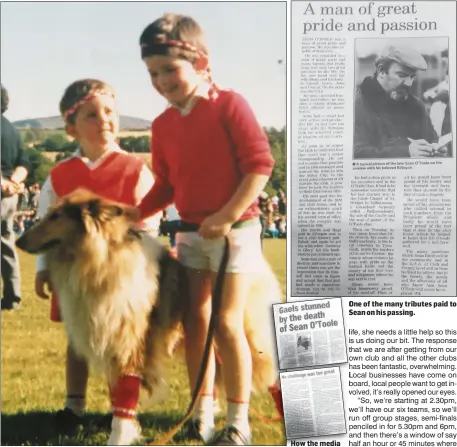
(65, 421)
(195, 430)
(124, 431)
(10, 305)
(230, 435)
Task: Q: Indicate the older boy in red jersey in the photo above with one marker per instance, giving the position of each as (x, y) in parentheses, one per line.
(212, 159)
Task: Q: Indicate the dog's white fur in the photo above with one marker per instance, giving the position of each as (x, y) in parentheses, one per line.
(107, 280)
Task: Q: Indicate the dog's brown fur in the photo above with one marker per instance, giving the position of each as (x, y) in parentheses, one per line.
(122, 297)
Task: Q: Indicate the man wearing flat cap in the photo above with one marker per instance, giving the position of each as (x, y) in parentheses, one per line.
(389, 121)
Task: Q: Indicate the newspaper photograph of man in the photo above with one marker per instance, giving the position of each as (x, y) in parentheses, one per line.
(398, 85)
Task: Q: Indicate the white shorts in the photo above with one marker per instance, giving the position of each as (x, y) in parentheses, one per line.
(245, 250)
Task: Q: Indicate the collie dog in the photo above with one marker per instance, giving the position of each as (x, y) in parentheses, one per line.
(122, 296)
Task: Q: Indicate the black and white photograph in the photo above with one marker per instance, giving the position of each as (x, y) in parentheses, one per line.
(310, 333)
(401, 104)
(304, 343)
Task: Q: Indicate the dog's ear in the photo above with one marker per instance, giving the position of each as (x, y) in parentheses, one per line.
(93, 208)
(72, 211)
(103, 211)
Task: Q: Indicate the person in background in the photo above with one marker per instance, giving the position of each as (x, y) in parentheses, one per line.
(173, 221)
(282, 227)
(282, 203)
(264, 207)
(19, 224)
(272, 230)
(274, 203)
(30, 219)
(23, 201)
(33, 196)
(15, 165)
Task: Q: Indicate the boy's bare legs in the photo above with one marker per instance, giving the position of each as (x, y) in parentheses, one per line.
(77, 374)
(234, 350)
(196, 322)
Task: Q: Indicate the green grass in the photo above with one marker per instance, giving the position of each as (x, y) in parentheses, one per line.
(33, 377)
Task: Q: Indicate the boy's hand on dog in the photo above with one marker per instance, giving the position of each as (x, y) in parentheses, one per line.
(215, 226)
(42, 281)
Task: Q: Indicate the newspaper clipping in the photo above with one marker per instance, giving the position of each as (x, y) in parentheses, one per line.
(310, 333)
(373, 215)
(313, 403)
(373, 155)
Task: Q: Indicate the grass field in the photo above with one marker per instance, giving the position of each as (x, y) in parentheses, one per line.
(33, 380)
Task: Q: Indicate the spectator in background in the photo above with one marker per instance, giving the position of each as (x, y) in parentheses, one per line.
(282, 203)
(282, 227)
(170, 225)
(33, 196)
(264, 207)
(271, 228)
(274, 202)
(19, 224)
(23, 199)
(389, 121)
(14, 172)
(29, 219)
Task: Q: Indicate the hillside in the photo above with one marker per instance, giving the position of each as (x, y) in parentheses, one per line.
(56, 122)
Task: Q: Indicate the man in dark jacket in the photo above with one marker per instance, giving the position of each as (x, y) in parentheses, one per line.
(14, 172)
(389, 121)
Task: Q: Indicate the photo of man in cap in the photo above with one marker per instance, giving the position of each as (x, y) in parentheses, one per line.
(389, 122)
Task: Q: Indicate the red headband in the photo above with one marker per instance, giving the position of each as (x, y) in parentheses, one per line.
(174, 43)
(213, 91)
(91, 95)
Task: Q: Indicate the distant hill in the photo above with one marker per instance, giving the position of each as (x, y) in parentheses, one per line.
(56, 122)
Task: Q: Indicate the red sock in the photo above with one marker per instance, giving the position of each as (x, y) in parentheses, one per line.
(277, 397)
(125, 395)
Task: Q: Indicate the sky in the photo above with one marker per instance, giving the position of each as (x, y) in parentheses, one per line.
(45, 46)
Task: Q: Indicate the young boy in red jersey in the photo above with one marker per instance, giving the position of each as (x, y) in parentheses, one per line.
(212, 159)
(89, 110)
